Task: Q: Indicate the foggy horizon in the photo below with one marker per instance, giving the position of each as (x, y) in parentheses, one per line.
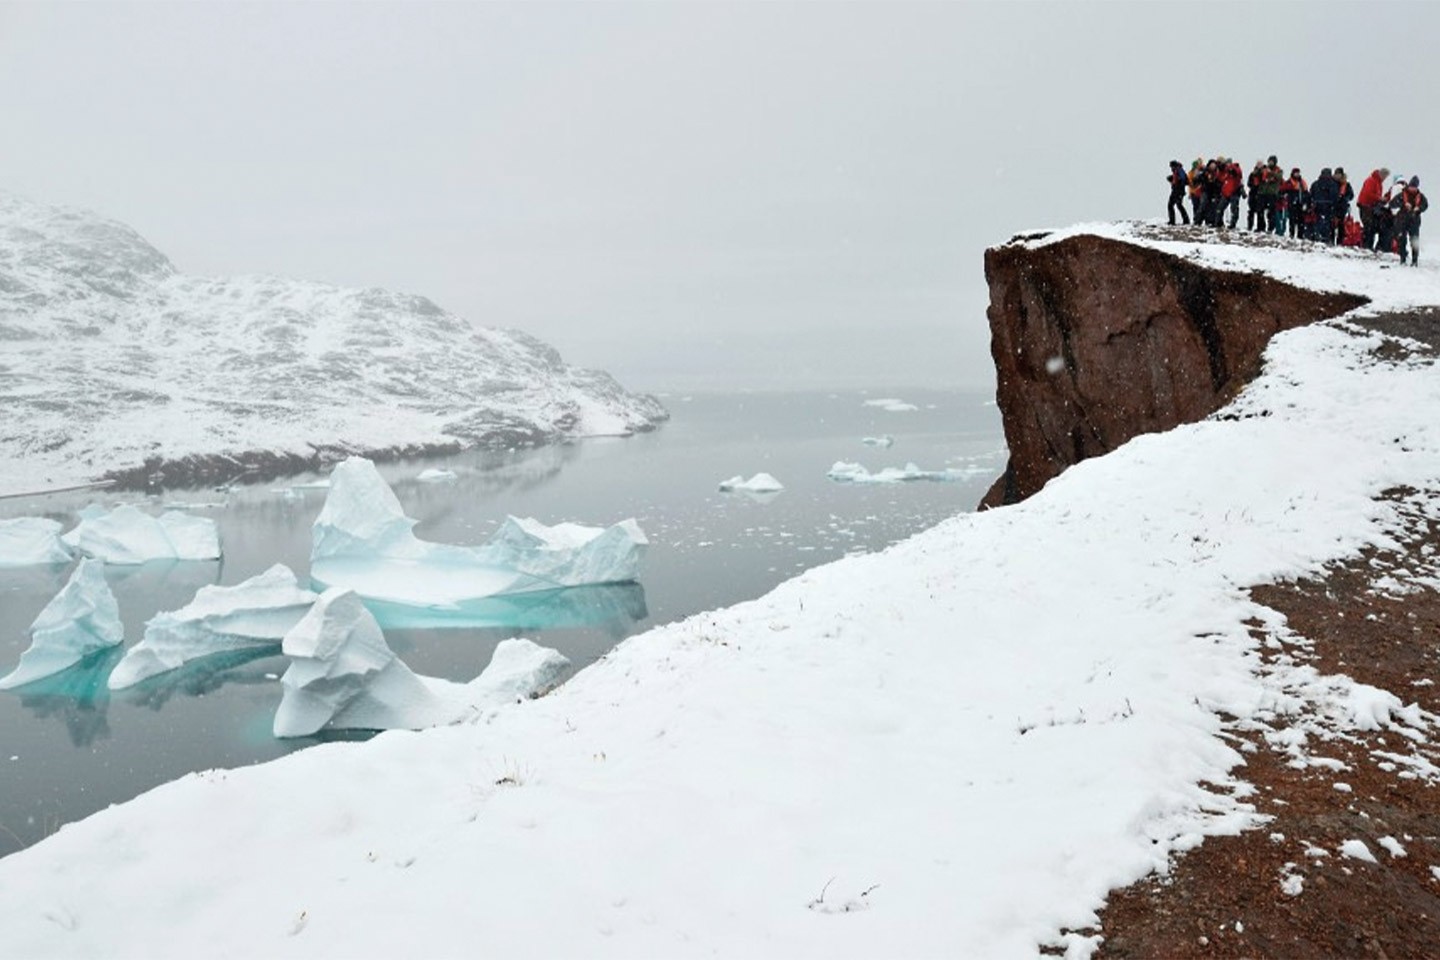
(690, 196)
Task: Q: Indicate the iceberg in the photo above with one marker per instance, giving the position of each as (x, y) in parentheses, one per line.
(255, 613)
(891, 404)
(343, 676)
(31, 541)
(884, 440)
(433, 475)
(845, 472)
(760, 483)
(82, 619)
(363, 540)
(128, 534)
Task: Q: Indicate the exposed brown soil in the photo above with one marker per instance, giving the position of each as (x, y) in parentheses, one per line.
(1285, 889)
(1377, 619)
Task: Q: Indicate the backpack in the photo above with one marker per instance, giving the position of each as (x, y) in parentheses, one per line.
(1352, 234)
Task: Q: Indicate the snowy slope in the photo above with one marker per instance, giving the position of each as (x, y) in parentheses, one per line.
(952, 748)
(109, 357)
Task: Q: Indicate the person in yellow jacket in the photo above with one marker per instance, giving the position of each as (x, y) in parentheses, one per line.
(1197, 189)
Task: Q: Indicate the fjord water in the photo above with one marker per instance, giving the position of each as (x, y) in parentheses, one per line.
(69, 747)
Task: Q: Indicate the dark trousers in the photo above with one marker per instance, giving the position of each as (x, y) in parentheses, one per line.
(1324, 229)
(1177, 203)
(1367, 221)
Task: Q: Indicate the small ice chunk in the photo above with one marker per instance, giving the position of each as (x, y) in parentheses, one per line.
(343, 676)
(1054, 365)
(519, 668)
(129, 535)
(363, 540)
(434, 475)
(891, 404)
(1292, 885)
(846, 472)
(30, 541)
(1356, 850)
(881, 441)
(760, 483)
(83, 618)
(254, 613)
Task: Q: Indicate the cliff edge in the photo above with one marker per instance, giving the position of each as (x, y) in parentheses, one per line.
(1098, 339)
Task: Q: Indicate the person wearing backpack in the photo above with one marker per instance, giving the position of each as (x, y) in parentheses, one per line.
(1372, 195)
(1212, 203)
(1255, 215)
(1179, 181)
(1270, 194)
(1293, 204)
(1232, 190)
(1408, 206)
(1324, 194)
(1197, 190)
(1342, 206)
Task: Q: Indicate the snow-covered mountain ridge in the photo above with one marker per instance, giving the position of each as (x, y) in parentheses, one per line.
(112, 363)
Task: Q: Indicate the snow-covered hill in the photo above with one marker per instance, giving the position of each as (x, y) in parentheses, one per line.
(110, 358)
(956, 747)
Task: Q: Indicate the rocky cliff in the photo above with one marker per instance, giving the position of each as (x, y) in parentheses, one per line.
(1097, 340)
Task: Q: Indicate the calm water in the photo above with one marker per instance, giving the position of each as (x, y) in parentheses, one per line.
(68, 747)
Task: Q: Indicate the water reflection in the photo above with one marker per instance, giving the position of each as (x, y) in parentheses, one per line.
(205, 675)
(77, 695)
(611, 608)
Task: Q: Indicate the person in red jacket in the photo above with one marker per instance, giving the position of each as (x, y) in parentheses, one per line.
(1232, 188)
(1372, 195)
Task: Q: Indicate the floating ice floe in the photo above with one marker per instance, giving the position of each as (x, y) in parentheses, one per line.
(760, 483)
(363, 540)
(82, 619)
(434, 475)
(845, 472)
(892, 404)
(128, 534)
(31, 541)
(254, 613)
(884, 440)
(343, 676)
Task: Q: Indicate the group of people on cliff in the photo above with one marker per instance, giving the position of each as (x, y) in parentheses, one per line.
(1390, 210)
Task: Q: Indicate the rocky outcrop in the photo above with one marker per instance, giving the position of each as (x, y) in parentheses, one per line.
(1096, 341)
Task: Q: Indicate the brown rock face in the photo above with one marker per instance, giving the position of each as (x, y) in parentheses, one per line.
(1096, 341)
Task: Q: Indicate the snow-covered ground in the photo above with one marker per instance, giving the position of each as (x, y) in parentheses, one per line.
(955, 747)
(109, 358)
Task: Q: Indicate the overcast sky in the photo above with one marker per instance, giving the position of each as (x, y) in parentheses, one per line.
(688, 195)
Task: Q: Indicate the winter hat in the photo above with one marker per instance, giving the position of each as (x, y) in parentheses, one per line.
(1415, 182)
(1325, 172)
(1274, 161)
(1340, 173)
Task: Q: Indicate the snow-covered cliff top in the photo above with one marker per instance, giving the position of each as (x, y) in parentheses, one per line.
(110, 358)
